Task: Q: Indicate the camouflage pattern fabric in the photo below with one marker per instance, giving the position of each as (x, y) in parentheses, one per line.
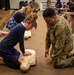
(34, 5)
(59, 35)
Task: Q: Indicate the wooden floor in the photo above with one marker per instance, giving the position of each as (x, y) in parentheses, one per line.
(4, 16)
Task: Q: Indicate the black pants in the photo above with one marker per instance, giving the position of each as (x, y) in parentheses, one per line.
(10, 57)
(15, 64)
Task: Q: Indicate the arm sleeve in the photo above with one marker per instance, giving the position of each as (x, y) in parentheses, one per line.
(21, 40)
(47, 40)
(60, 5)
(60, 39)
(21, 17)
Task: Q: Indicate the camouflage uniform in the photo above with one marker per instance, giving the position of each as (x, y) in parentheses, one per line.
(59, 35)
(35, 7)
(48, 3)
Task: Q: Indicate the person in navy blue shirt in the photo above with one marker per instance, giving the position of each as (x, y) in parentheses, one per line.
(71, 6)
(9, 54)
(17, 18)
(58, 5)
(71, 9)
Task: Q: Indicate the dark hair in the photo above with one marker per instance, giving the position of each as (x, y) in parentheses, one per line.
(49, 12)
(33, 0)
(58, 0)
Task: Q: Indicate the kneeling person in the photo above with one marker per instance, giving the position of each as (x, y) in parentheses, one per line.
(59, 35)
(9, 54)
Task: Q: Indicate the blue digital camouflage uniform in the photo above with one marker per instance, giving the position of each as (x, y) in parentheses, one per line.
(59, 35)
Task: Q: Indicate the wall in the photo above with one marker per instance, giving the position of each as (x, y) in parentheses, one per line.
(14, 4)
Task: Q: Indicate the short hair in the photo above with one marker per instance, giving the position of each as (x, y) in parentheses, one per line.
(49, 12)
(58, 0)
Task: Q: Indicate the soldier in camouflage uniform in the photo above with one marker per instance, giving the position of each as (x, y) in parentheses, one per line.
(48, 3)
(59, 36)
(34, 5)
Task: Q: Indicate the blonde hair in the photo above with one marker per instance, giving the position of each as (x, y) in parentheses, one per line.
(24, 9)
(32, 18)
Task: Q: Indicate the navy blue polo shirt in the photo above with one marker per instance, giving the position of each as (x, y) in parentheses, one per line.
(15, 36)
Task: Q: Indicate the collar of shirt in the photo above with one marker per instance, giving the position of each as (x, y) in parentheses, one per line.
(22, 24)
